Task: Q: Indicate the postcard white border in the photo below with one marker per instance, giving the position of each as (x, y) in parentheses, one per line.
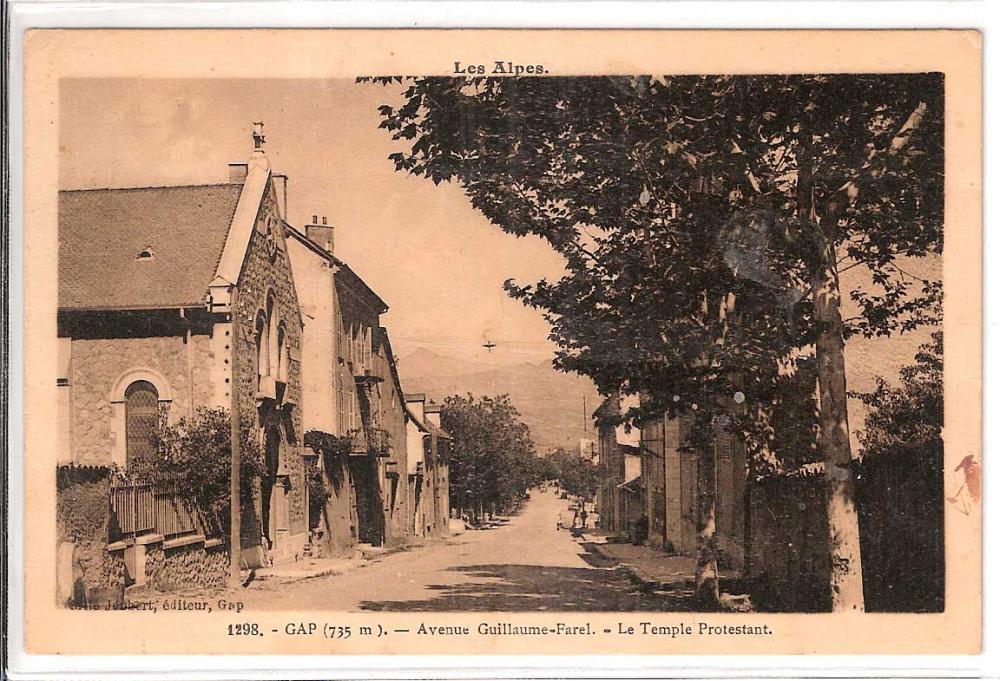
(25, 15)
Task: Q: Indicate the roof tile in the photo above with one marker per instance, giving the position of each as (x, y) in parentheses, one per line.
(103, 231)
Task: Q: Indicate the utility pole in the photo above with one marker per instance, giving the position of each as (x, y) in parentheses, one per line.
(234, 439)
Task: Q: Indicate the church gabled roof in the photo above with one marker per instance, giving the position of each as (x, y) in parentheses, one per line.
(142, 248)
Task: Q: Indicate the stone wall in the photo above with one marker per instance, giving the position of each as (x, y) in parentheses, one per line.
(184, 567)
(82, 523)
(98, 363)
(268, 272)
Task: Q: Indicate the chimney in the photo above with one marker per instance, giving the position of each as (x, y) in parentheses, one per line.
(416, 402)
(432, 412)
(237, 173)
(321, 233)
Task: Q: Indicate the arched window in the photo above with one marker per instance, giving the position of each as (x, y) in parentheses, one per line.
(262, 340)
(272, 324)
(282, 376)
(141, 417)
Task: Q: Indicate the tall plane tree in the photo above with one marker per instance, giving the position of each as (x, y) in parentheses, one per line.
(704, 222)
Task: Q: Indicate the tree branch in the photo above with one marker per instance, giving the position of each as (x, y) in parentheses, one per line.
(847, 195)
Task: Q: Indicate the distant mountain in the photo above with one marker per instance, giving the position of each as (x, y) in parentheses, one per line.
(424, 362)
(551, 402)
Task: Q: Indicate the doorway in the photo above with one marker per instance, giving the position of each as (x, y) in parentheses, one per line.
(270, 488)
(364, 473)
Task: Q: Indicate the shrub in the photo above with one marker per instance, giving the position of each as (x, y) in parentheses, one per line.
(319, 493)
(194, 455)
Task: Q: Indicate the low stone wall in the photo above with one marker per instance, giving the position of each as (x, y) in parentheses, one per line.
(91, 573)
(191, 565)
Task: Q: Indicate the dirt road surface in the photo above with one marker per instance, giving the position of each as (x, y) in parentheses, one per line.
(525, 564)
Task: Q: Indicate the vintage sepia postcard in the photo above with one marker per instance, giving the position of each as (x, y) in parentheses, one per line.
(502, 342)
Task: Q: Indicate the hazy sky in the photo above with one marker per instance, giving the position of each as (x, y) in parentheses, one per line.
(435, 260)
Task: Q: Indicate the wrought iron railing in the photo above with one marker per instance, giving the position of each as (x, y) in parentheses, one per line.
(369, 440)
(378, 442)
(176, 514)
(359, 441)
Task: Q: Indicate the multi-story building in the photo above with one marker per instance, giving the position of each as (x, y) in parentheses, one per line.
(671, 474)
(441, 449)
(429, 447)
(621, 501)
(354, 398)
(177, 300)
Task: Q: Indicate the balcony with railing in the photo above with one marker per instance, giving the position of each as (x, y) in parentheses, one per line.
(369, 440)
(359, 442)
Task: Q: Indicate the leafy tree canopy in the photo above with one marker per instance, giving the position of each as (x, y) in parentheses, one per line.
(492, 457)
(911, 414)
(194, 455)
(671, 198)
(577, 475)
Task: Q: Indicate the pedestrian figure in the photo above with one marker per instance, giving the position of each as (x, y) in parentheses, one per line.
(559, 521)
(640, 530)
(583, 518)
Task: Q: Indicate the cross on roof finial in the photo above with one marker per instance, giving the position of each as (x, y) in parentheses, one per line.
(258, 136)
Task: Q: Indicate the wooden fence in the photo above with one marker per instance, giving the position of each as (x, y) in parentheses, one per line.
(145, 508)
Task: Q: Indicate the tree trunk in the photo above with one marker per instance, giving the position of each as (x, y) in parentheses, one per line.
(846, 592)
(706, 571)
(846, 588)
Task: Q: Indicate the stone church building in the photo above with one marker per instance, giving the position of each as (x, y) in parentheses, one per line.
(173, 299)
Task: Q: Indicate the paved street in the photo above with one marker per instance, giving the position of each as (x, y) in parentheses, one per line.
(525, 564)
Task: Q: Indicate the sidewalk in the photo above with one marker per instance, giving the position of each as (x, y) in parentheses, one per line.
(307, 568)
(654, 569)
(648, 566)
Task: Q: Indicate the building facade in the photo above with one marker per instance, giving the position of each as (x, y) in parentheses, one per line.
(671, 501)
(371, 480)
(440, 478)
(429, 447)
(192, 304)
(620, 499)
(647, 472)
(334, 520)
(174, 300)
